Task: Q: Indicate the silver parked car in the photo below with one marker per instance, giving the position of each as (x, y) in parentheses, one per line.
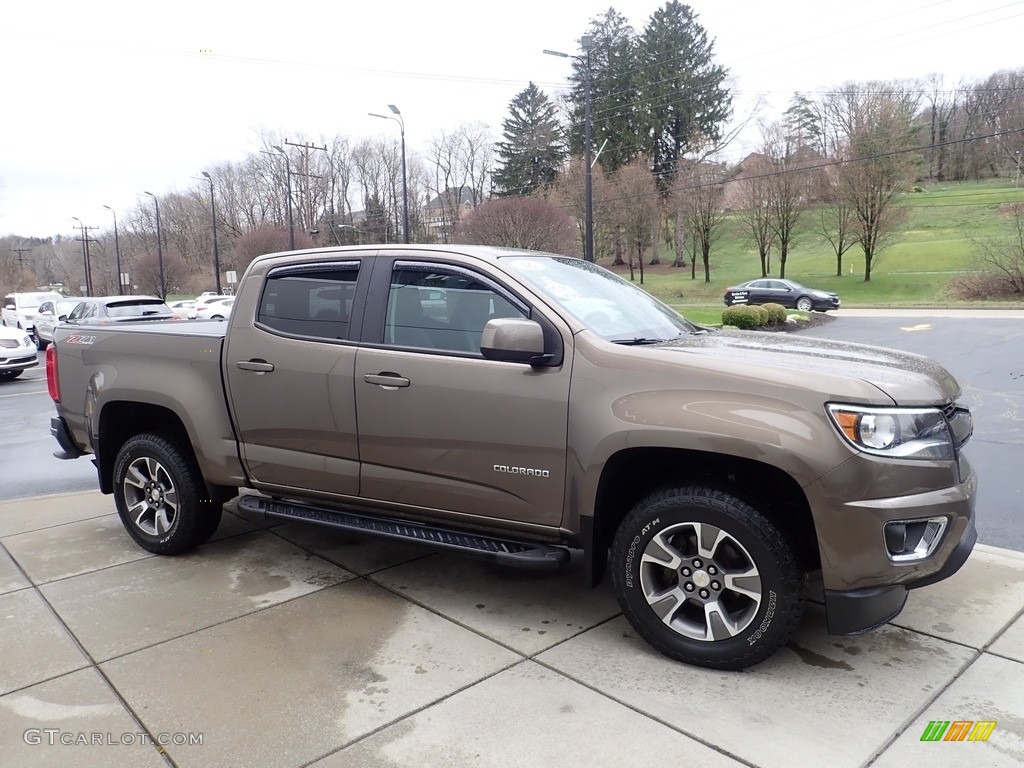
(119, 309)
(51, 314)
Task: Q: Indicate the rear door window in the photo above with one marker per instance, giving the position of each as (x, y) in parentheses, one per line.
(310, 300)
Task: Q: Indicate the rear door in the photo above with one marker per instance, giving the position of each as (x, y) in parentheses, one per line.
(440, 427)
(288, 366)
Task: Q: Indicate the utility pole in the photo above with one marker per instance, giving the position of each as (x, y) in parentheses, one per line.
(86, 259)
(117, 254)
(306, 149)
(21, 259)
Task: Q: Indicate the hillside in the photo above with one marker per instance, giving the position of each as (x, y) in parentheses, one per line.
(933, 247)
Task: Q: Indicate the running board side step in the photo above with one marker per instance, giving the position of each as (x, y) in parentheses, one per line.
(521, 554)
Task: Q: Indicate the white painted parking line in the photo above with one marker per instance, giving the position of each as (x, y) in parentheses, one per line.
(31, 392)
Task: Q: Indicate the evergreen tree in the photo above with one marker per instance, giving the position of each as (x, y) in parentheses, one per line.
(533, 149)
(682, 95)
(656, 94)
(803, 123)
(614, 96)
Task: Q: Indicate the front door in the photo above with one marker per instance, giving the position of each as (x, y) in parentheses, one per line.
(440, 427)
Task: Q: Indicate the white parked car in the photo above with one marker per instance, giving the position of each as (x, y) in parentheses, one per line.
(17, 352)
(181, 308)
(211, 308)
(20, 309)
(51, 314)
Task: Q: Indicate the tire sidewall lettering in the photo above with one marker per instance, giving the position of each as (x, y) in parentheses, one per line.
(632, 574)
(766, 622)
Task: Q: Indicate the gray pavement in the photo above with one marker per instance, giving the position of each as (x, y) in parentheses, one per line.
(279, 645)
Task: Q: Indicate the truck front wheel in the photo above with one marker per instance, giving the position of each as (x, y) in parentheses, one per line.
(159, 495)
(707, 579)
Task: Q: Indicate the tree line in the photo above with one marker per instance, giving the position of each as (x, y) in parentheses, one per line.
(660, 111)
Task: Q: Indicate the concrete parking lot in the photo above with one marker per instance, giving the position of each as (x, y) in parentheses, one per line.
(279, 645)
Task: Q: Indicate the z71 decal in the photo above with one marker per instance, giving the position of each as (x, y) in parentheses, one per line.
(78, 339)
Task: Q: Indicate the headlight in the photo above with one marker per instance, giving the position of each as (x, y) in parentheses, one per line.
(907, 433)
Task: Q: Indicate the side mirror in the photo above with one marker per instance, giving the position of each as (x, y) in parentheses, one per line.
(514, 340)
(62, 319)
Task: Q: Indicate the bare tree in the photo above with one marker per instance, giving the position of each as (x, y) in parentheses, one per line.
(879, 118)
(515, 222)
(370, 171)
(462, 162)
(146, 274)
(265, 240)
(699, 194)
(942, 105)
(636, 210)
(567, 192)
(836, 217)
(787, 187)
(755, 201)
(1003, 259)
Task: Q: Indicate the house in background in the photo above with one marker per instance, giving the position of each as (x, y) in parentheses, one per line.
(443, 212)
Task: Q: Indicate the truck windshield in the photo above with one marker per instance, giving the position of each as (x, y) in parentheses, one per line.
(613, 308)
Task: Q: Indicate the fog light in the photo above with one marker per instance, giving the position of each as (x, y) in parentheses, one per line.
(895, 538)
(908, 541)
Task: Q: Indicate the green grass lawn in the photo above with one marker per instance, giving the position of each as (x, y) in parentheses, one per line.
(934, 246)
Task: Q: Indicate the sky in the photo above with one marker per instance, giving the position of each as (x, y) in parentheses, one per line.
(106, 99)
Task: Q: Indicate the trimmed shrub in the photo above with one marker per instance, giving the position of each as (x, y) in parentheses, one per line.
(745, 316)
(776, 313)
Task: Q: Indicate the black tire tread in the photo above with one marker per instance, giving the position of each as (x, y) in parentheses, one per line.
(189, 529)
(793, 585)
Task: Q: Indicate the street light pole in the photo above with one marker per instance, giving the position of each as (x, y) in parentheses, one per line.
(586, 43)
(213, 218)
(405, 184)
(117, 254)
(159, 245)
(288, 178)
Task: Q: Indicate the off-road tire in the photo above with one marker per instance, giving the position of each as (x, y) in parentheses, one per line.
(161, 497)
(752, 615)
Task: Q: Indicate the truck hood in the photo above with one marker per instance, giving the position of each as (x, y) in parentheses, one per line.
(907, 378)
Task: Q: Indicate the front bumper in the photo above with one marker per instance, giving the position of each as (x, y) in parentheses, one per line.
(18, 361)
(864, 585)
(861, 610)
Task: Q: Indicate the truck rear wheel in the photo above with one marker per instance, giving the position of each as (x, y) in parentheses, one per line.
(160, 496)
(707, 579)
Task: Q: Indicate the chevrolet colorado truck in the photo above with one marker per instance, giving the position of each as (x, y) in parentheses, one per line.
(516, 405)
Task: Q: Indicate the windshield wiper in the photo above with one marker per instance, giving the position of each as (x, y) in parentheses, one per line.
(636, 342)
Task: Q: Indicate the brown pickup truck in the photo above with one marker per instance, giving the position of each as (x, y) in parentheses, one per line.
(515, 405)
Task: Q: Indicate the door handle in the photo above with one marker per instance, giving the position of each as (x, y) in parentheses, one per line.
(386, 380)
(260, 366)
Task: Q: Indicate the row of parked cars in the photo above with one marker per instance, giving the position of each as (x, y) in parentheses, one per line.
(29, 319)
